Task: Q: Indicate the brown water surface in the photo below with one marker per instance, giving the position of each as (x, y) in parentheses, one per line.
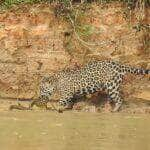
(40, 130)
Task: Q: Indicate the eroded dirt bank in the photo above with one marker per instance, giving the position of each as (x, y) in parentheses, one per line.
(39, 39)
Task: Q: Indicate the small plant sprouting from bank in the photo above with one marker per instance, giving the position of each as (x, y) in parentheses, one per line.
(74, 15)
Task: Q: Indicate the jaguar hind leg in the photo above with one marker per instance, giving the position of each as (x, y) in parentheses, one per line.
(114, 95)
(118, 104)
(116, 98)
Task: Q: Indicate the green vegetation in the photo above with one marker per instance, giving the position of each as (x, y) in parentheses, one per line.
(85, 30)
(130, 3)
(10, 3)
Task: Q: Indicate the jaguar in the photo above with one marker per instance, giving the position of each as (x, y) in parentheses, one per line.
(94, 76)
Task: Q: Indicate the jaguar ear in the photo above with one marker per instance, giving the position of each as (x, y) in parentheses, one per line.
(51, 88)
(45, 79)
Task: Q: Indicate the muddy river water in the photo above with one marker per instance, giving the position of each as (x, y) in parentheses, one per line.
(40, 130)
